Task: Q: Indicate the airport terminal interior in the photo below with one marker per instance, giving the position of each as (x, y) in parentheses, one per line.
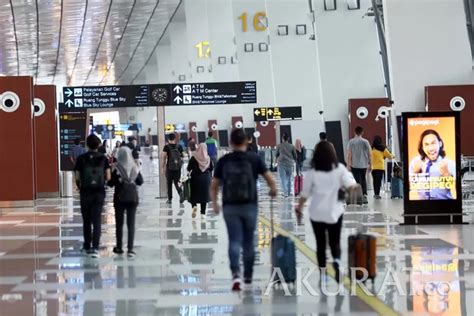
(234, 113)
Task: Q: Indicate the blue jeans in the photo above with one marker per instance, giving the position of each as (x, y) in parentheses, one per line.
(241, 221)
(286, 172)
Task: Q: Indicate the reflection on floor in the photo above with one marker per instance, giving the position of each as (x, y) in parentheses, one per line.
(182, 266)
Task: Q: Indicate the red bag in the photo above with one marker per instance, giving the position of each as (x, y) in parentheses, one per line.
(298, 183)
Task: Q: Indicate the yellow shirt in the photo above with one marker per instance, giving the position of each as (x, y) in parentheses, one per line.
(378, 158)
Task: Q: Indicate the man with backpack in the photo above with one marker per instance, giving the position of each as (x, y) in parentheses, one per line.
(212, 147)
(92, 172)
(237, 173)
(172, 161)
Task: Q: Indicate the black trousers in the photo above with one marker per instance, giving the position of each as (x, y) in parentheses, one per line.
(120, 210)
(91, 210)
(360, 177)
(203, 207)
(173, 176)
(334, 234)
(377, 175)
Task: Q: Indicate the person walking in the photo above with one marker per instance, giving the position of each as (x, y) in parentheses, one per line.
(92, 172)
(286, 158)
(300, 156)
(359, 159)
(191, 146)
(322, 185)
(212, 147)
(200, 168)
(76, 151)
(251, 146)
(172, 161)
(125, 178)
(379, 154)
(237, 174)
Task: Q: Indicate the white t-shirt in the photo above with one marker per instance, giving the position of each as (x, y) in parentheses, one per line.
(323, 187)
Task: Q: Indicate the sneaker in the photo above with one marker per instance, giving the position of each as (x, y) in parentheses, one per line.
(93, 253)
(336, 265)
(118, 251)
(131, 254)
(203, 216)
(236, 284)
(168, 202)
(378, 197)
(364, 200)
(84, 251)
(194, 212)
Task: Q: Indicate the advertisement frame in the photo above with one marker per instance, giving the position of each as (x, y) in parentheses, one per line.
(426, 211)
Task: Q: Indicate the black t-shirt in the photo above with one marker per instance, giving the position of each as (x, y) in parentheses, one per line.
(258, 167)
(167, 150)
(82, 160)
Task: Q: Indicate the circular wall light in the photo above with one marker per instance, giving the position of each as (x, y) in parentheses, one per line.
(9, 101)
(239, 124)
(264, 123)
(457, 104)
(194, 128)
(38, 107)
(256, 134)
(362, 112)
(214, 127)
(383, 112)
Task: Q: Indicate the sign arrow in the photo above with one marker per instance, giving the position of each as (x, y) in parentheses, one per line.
(177, 89)
(178, 100)
(68, 92)
(69, 103)
(270, 111)
(257, 112)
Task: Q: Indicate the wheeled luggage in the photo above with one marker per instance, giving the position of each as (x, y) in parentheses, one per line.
(298, 184)
(283, 255)
(362, 255)
(397, 188)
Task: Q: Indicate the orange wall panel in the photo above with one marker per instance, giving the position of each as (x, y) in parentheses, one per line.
(17, 143)
(46, 147)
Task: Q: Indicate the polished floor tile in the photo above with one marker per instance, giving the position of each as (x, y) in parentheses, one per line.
(182, 266)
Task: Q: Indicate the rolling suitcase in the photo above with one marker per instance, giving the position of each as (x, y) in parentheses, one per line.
(283, 255)
(397, 188)
(362, 254)
(298, 184)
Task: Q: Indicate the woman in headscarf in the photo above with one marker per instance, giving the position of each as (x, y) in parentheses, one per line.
(300, 156)
(125, 177)
(200, 168)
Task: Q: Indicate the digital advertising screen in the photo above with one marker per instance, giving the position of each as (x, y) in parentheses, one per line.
(432, 156)
(432, 182)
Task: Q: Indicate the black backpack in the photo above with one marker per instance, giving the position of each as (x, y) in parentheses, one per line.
(175, 160)
(129, 192)
(93, 177)
(239, 182)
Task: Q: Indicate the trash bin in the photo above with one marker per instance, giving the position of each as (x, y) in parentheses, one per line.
(67, 178)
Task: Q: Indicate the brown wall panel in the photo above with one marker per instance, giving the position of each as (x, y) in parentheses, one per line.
(209, 129)
(46, 146)
(236, 119)
(17, 163)
(267, 134)
(438, 98)
(191, 133)
(370, 125)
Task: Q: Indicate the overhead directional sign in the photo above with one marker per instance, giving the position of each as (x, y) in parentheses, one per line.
(277, 113)
(105, 96)
(160, 95)
(212, 93)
